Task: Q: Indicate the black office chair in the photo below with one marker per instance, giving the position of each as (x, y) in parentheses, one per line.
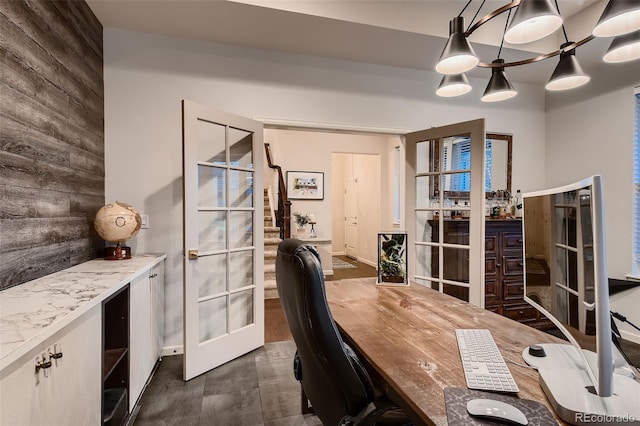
(332, 377)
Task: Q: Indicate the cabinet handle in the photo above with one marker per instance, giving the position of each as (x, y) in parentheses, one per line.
(56, 354)
(42, 365)
(153, 275)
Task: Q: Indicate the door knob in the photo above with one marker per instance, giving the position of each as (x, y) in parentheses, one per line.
(193, 254)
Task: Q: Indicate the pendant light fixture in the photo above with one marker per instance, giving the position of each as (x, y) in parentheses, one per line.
(499, 87)
(624, 48)
(568, 73)
(453, 85)
(619, 17)
(458, 55)
(533, 20)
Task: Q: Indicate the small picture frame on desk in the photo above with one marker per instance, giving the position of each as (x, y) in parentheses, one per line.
(392, 259)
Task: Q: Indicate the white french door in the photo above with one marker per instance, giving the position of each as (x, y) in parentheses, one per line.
(351, 218)
(223, 237)
(447, 219)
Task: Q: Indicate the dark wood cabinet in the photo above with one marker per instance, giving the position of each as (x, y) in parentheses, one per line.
(504, 267)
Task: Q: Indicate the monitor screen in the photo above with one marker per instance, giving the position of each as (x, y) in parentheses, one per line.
(565, 269)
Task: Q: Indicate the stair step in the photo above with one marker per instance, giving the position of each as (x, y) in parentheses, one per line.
(271, 229)
(272, 241)
(270, 289)
(269, 254)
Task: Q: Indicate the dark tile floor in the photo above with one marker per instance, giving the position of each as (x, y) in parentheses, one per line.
(255, 389)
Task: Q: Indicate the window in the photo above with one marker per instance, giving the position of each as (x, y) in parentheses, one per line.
(636, 186)
(396, 186)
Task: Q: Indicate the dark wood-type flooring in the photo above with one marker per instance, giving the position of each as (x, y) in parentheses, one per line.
(255, 389)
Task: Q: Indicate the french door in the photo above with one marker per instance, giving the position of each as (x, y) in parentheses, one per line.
(445, 177)
(223, 237)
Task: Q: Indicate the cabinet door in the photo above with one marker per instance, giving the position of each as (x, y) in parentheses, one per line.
(157, 311)
(71, 395)
(19, 385)
(140, 347)
(68, 392)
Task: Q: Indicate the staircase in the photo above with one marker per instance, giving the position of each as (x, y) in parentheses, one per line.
(271, 241)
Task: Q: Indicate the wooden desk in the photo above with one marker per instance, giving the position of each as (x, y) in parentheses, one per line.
(406, 334)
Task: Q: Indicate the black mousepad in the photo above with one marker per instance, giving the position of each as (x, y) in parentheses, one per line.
(456, 400)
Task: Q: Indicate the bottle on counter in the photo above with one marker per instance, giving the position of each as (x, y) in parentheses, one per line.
(518, 204)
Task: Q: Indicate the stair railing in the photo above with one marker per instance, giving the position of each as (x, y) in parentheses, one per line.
(283, 213)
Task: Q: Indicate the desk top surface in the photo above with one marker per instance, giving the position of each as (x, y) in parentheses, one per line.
(407, 335)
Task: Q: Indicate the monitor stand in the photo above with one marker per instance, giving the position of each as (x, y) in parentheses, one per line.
(566, 383)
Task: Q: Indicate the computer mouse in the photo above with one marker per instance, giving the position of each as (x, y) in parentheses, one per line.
(498, 411)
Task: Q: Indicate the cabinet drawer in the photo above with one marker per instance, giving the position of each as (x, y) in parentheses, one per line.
(521, 313)
(512, 265)
(512, 241)
(513, 290)
(497, 309)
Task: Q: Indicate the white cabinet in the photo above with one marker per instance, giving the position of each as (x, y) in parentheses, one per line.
(146, 328)
(66, 393)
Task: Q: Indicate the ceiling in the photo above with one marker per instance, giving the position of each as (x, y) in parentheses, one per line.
(399, 33)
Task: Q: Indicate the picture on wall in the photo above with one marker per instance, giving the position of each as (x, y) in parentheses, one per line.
(305, 185)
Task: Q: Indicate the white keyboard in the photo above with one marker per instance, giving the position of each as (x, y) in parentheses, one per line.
(484, 367)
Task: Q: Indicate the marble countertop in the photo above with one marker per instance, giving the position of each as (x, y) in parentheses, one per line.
(35, 310)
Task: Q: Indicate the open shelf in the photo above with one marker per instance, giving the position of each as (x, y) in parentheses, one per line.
(111, 359)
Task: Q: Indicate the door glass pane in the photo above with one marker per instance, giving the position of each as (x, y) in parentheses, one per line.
(426, 256)
(426, 227)
(427, 191)
(210, 274)
(210, 139)
(240, 229)
(241, 309)
(456, 153)
(212, 231)
(212, 315)
(211, 191)
(428, 283)
(240, 189)
(457, 182)
(457, 232)
(240, 269)
(461, 293)
(240, 152)
(456, 264)
(427, 157)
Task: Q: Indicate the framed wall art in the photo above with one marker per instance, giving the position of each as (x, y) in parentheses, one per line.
(305, 185)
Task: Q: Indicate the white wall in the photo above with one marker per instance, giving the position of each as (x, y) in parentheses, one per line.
(146, 76)
(595, 136)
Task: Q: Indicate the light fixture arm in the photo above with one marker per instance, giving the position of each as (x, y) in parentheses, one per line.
(540, 57)
(490, 16)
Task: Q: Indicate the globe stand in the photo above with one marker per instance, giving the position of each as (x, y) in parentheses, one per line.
(117, 253)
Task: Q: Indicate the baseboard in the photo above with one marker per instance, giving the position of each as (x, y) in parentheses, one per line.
(338, 253)
(368, 262)
(172, 350)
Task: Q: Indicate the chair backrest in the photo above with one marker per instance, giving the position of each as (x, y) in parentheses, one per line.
(331, 375)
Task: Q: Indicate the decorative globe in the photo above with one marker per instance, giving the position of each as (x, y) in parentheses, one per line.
(117, 222)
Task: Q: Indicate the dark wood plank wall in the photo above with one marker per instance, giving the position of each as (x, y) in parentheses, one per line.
(51, 137)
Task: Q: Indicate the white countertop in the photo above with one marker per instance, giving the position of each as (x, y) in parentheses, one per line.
(35, 310)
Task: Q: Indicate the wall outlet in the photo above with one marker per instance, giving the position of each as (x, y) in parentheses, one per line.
(145, 221)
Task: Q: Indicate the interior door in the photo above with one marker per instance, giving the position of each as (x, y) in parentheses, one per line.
(351, 218)
(445, 178)
(223, 237)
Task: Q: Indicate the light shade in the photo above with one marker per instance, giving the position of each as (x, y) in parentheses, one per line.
(624, 48)
(499, 87)
(618, 18)
(458, 55)
(533, 20)
(568, 73)
(453, 85)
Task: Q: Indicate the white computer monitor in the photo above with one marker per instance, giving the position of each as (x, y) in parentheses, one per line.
(566, 279)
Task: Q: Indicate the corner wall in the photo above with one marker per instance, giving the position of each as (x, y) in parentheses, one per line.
(51, 137)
